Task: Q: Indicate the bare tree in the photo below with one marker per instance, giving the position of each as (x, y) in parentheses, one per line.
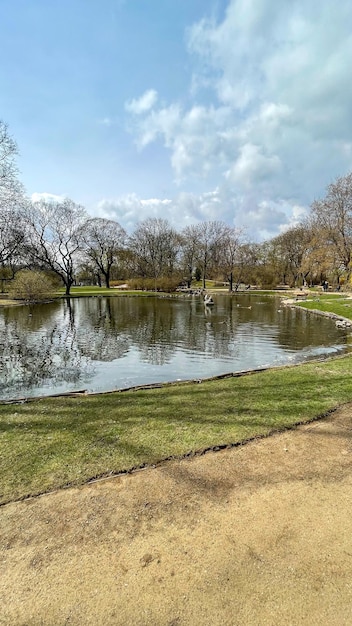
(11, 205)
(208, 236)
(12, 236)
(10, 187)
(333, 215)
(103, 242)
(320, 260)
(54, 237)
(189, 252)
(231, 256)
(155, 246)
(290, 248)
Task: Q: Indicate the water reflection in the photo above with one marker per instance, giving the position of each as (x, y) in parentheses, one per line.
(105, 343)
(100, 334)
(38, 346)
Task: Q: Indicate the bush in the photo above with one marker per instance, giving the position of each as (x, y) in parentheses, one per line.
(164, 283)
(197, 274)
(117, 283)
(31, 286)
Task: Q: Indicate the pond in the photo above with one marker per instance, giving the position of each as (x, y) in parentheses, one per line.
(100, 344)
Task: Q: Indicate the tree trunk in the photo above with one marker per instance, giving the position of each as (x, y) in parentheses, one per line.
(107, 279)
(230, 281)
(68, 282)
(189, 280)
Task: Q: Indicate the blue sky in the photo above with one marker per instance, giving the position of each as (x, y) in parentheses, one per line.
(238, 110)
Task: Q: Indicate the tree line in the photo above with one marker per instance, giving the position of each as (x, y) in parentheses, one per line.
(62, 240)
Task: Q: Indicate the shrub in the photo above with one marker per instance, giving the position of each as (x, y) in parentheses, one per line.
(197, 274)
(117, 283)
(164, 283)
(31, 286)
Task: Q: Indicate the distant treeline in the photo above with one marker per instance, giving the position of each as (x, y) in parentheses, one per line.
(60, 238)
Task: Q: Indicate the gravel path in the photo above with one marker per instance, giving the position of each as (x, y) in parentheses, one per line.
(255, 535)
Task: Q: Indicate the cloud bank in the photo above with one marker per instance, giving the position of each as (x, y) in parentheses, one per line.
(269, 121)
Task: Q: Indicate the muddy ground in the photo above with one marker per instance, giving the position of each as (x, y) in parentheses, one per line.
(255, 535)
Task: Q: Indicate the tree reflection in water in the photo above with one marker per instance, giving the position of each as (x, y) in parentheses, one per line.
(39, 347)
(70, 344)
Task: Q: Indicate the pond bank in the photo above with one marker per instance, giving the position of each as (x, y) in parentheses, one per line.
(68, 441)
(307, 303)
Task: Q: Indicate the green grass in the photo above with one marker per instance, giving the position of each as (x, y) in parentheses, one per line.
(330, 303)
(84, 292)
(49, 443)
(92, 291)
(8, 302)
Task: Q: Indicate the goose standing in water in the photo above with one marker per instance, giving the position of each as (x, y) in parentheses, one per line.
(208, 300)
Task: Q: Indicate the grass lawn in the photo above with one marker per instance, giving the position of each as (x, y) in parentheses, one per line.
(330, 303)
(8, 302)
(84, 292)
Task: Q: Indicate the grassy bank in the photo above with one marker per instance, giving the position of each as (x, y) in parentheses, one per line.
(8, 302)
(48, 443)
(340, 305)
(86, 292)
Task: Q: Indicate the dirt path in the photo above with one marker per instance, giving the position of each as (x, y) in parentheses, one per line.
(256, 535)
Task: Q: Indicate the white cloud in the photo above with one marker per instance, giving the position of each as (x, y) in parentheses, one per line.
(130, 209)
(47, 197)
(194, 137)
(106, 121)
(270, 121)
(143, 104)
(260, 220)
(252, 166)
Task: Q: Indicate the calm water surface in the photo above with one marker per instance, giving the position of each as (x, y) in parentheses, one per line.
(99, 344)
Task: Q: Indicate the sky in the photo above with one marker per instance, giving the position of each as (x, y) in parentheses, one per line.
(189, 110)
